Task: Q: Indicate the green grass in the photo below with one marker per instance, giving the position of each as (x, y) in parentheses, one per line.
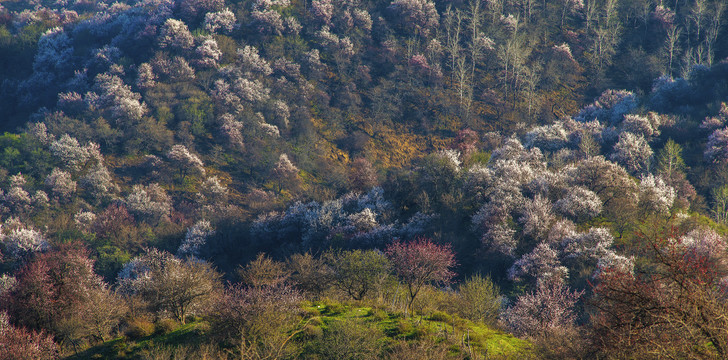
(438, 326)
(459, 335)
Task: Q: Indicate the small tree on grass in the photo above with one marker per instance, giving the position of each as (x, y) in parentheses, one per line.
(421, 262)
(168, 284)
(479, 299)
(310, 274)
(358, 271)
(259, 321)
(264, 272)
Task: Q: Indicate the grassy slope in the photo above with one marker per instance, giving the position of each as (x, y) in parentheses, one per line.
(460, 336)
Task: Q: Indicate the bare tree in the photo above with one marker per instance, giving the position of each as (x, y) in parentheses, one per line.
(168, 284)
(671, 45)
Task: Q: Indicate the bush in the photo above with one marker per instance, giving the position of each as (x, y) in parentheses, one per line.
(311, 331)
(379, 314)
(430, 300)
(479, 300)
(315, 321)
(440, 316)
(165, 326)
(334, 309)
(312, 275)
(258, 320)
(138, 328)
(404, 327)
(346, 339)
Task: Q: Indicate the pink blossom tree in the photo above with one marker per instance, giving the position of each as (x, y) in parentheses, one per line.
(716, 150)
(20, 343)
(547, 311)
(421, 262)
(59, 292)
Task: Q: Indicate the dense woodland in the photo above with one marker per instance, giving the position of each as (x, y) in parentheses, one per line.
(360, 179)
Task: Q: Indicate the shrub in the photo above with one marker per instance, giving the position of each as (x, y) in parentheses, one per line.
(440, 316)
(479, 300)
(165, 326)
(138, 328)
(346, 339)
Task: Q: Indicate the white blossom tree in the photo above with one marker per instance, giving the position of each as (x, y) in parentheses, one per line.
(715, 122)
(655, 195)
(212, 192)
(208, 53)
(70, 153)
(548, 311)
(112, 94)
(633, 152)
(537, 216)
(540, 265)
(716, 150)
(176, 35)
(195, 239)
(579, 204)
(185, 161)
(17, 200)
(641, 125)
(20, 241)
(98, 182)
(192, 9)
(146, 78)
(225, 98)
(322, 10)
(591, 245)
(285, 174)
(252, 91)
(282, 113)
(231, 130)
(222, 20)
(419, 16)
(61, 184)
(151, 203)
(180, 70)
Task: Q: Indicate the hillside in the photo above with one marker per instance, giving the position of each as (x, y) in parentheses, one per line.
(559, 168)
